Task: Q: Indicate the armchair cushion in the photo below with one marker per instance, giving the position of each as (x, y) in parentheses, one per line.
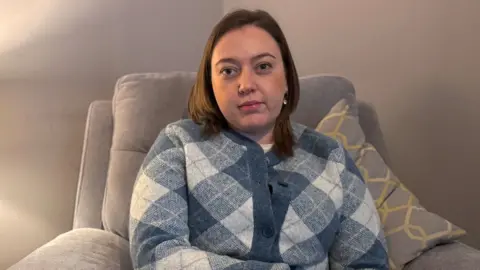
(142, 105)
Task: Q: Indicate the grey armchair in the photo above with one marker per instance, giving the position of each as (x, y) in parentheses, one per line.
(118, 134)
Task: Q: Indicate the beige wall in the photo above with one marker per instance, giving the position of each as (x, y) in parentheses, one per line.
(57, 56)
(418, 63)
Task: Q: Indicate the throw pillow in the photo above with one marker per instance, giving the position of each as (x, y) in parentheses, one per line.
(341, 124)
(409, 228)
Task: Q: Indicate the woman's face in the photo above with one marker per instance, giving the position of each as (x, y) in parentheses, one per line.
(248, 79)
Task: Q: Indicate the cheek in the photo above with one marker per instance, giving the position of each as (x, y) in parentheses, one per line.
(277, 93)
(222, 102)
(279, 83)
(222, 95)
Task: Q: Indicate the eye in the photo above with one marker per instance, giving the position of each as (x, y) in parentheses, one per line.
(264, 67)
(228, 72)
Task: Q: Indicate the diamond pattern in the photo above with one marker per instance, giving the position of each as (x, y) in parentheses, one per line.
(217, 229)
(150, 192)
(294, 231)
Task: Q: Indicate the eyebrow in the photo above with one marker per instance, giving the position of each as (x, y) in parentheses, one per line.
(234, 61)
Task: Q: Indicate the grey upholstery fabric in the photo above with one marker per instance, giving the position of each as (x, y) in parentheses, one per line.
(318, 94)
(144, 103)
(80, 249)
(447, 257)
(368, 119)
(94, 165)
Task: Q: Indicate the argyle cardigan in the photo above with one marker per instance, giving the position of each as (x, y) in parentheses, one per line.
(221, 202)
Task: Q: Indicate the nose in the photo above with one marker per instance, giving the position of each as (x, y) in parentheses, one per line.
(246, 82)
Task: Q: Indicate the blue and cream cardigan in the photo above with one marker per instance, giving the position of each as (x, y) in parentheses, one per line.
(223, 203)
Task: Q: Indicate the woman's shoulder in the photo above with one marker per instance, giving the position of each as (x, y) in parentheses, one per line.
(313, 141)
(182, 126)
(182, 131)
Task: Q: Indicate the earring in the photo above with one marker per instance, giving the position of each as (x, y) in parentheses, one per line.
(285, 102)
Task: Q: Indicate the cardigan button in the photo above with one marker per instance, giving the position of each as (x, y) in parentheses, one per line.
(268, 231)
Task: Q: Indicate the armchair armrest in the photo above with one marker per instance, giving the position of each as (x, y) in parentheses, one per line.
(80, 249)
(94, 166)
(450, 256)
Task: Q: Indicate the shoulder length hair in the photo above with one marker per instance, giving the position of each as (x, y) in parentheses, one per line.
(202, 106)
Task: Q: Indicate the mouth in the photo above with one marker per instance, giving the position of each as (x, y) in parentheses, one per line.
(249, 105)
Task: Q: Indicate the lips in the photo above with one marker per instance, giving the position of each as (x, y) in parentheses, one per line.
(250, 103)
(250, 106)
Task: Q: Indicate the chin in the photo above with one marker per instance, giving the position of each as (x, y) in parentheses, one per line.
(252, 126)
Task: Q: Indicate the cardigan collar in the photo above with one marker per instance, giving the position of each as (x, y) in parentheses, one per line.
(250, 145)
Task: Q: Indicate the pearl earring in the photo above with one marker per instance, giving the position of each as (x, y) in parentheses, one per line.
(285, 102)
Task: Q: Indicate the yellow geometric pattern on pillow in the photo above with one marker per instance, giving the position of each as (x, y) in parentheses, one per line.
(387, 210)
(414, 232)
(341, 116)
(389, 183)
(385, 185)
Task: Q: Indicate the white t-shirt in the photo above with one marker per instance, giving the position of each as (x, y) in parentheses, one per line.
(266, 147)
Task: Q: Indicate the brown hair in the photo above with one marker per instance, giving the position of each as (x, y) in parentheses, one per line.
(202, 106)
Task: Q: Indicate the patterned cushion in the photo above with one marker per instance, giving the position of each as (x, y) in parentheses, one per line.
(342, 124)
(409, 228)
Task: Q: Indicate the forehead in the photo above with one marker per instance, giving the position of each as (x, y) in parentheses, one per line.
(244, 43)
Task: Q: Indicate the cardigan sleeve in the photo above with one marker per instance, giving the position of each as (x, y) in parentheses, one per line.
(158, 229)
(360, 242)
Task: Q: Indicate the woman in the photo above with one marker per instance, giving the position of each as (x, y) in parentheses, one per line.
(238, 186)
